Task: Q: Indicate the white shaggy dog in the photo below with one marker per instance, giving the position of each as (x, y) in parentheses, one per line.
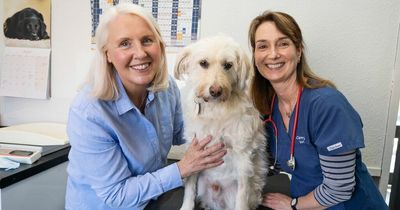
(215, 103)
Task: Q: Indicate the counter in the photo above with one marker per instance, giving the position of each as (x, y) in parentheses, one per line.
(40, 185)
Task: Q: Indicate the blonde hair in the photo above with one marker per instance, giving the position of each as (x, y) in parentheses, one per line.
(261, 89)
(102, 75)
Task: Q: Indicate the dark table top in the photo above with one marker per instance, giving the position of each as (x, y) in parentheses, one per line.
(51, 156)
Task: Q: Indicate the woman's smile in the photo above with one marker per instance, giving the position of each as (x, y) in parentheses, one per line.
(275, 66)
(140, 67)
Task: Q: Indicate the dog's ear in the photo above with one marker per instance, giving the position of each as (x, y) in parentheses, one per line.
(245, 73)
(182, 62)
(10, 26)
(42, 31)
(7, 28)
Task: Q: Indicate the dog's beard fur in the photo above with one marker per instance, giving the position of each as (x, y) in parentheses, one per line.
(230, 117)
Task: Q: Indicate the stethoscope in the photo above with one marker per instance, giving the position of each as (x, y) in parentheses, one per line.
(291, 163)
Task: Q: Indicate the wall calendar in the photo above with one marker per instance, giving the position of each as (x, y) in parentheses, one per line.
(178, 19)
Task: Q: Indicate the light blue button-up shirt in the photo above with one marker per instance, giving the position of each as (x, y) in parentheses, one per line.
(118, 155)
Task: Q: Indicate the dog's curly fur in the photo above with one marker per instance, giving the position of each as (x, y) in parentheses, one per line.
(25, 24)
(215, 103)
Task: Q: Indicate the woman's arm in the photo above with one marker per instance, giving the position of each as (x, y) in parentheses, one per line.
(337, 185)
(339, 180)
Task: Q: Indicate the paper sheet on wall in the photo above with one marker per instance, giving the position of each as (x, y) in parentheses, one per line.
(179, 21)
(25, 72)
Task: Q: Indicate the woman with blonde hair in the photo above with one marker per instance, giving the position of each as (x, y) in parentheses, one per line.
(123, 122)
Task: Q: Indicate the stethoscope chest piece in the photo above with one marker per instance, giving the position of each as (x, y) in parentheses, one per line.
(291, 163)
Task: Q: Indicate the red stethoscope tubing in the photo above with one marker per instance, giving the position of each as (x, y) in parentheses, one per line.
(296, 119)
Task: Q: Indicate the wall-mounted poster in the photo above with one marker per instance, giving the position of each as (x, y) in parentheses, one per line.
(178, 19)
(26, 23)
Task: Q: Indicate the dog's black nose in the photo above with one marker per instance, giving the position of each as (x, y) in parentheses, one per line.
(215, 91)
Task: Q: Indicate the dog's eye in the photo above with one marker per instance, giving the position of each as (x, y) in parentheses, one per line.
(204, 64)
(227, 66)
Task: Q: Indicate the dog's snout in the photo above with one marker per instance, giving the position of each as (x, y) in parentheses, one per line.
(215, 91)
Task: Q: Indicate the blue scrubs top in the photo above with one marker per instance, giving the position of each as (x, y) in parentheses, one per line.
(327, 125)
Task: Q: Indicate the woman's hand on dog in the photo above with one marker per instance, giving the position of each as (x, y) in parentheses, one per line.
(199, 157)
(277, 201)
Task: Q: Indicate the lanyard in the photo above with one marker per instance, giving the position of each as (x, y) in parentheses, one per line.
(291, 162)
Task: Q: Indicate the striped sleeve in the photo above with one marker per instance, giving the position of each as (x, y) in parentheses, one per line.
(339, 180)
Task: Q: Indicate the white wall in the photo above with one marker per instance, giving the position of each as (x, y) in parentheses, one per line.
(353, 43)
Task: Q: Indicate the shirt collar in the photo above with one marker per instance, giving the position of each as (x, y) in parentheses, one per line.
(123, 103)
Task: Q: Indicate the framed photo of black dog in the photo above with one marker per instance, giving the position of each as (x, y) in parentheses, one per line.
(27, 23)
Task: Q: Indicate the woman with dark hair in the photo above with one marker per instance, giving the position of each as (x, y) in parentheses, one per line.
(316, 134)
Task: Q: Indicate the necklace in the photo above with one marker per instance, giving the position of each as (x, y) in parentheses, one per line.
(288, 114)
